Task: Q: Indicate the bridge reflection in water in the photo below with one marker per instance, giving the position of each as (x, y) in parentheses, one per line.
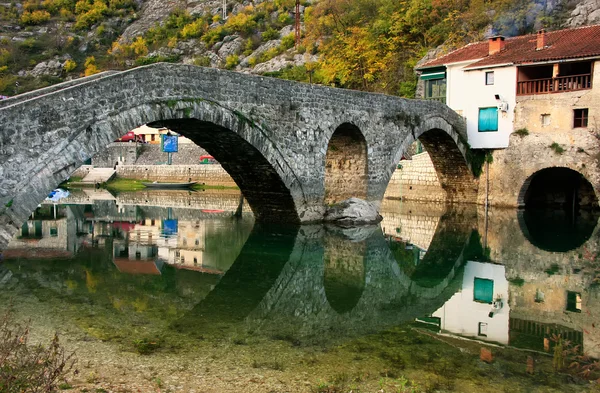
(187, 272)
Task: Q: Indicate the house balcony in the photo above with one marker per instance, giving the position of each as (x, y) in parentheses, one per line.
(560, 84)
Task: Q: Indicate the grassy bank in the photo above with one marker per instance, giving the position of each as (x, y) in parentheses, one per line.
(123, 185)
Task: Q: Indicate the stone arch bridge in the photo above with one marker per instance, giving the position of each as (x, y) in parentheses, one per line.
(272, 136)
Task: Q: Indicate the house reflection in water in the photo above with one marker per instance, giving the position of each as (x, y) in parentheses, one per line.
(51, 232)
(152, 242)
(481, 308)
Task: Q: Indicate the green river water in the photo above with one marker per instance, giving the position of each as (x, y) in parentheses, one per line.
(158, 292)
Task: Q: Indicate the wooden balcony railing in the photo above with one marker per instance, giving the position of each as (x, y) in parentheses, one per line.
(555, 85)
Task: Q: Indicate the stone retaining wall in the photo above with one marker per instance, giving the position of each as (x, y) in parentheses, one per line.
(210, 174)
(416, 180)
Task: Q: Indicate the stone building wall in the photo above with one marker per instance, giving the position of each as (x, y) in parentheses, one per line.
(505, 181)
(129, 153)
(512, 168)
(210, 174)
(416, 180)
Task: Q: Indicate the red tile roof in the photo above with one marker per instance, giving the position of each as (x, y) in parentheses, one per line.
(574, 43)
(136, 267)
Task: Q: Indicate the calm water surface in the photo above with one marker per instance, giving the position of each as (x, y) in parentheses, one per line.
(165, 291)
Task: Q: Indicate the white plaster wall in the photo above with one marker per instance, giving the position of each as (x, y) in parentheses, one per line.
(461, 315)
(467, 92)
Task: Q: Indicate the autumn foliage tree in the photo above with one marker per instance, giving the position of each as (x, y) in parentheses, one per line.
(374, 44)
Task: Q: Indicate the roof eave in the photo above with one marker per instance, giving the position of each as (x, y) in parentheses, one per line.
(565, 60)
(489, 66)
(449, 64)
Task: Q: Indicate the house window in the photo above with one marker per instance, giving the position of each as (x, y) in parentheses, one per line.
(488, 119)
(580, 118)
(195, 261)
(482, 331)
(53, 232)
(573, 301)
(435, 89)
(483, 290)
(489, 78)
(545, 120)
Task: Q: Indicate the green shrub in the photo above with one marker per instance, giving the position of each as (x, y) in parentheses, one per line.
(178, 19)
(522, 132)
(269, 54)
(69, 65)
(558, 149)
(231, 61)
(288, 41)
(34, 18)
(241, 23)
(270, 34)
(215, 35)
(194, 29)
(203, 61)
(156, 59)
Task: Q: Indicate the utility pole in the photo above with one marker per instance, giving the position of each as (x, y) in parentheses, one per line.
(224, 9)
(297, 23)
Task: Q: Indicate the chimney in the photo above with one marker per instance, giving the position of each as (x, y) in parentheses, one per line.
(541, 39)
(496, 44)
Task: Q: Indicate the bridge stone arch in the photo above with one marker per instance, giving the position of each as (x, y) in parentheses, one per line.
(46, 135)
(444, 138)
(535, 176)
(559, 208)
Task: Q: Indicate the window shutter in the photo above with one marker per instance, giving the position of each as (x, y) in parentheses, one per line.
(488, 119)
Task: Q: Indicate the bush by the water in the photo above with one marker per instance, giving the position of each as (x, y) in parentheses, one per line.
(30, 368)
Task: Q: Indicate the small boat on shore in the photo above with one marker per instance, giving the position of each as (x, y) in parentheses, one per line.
(169, 185)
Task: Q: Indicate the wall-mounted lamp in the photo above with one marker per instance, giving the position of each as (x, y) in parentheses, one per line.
(502, 105)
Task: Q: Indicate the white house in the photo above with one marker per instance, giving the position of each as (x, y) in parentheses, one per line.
(487, 82)
(480, 309)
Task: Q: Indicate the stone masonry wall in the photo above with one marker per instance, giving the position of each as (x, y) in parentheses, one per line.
(416, 180)
(129, 153)
(209, 174)
(414, 222)
(512, 168)
(346, 166)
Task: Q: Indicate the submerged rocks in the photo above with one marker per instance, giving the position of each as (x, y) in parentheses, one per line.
(352, 212)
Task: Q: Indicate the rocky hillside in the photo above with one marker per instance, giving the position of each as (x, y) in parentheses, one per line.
(369, 45)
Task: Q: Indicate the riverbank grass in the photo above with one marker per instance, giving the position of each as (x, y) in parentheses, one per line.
(122, 185)
(201, 187)
(119, 184)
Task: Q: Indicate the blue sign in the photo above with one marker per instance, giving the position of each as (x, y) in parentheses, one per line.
(169, 227)
(170, 143)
